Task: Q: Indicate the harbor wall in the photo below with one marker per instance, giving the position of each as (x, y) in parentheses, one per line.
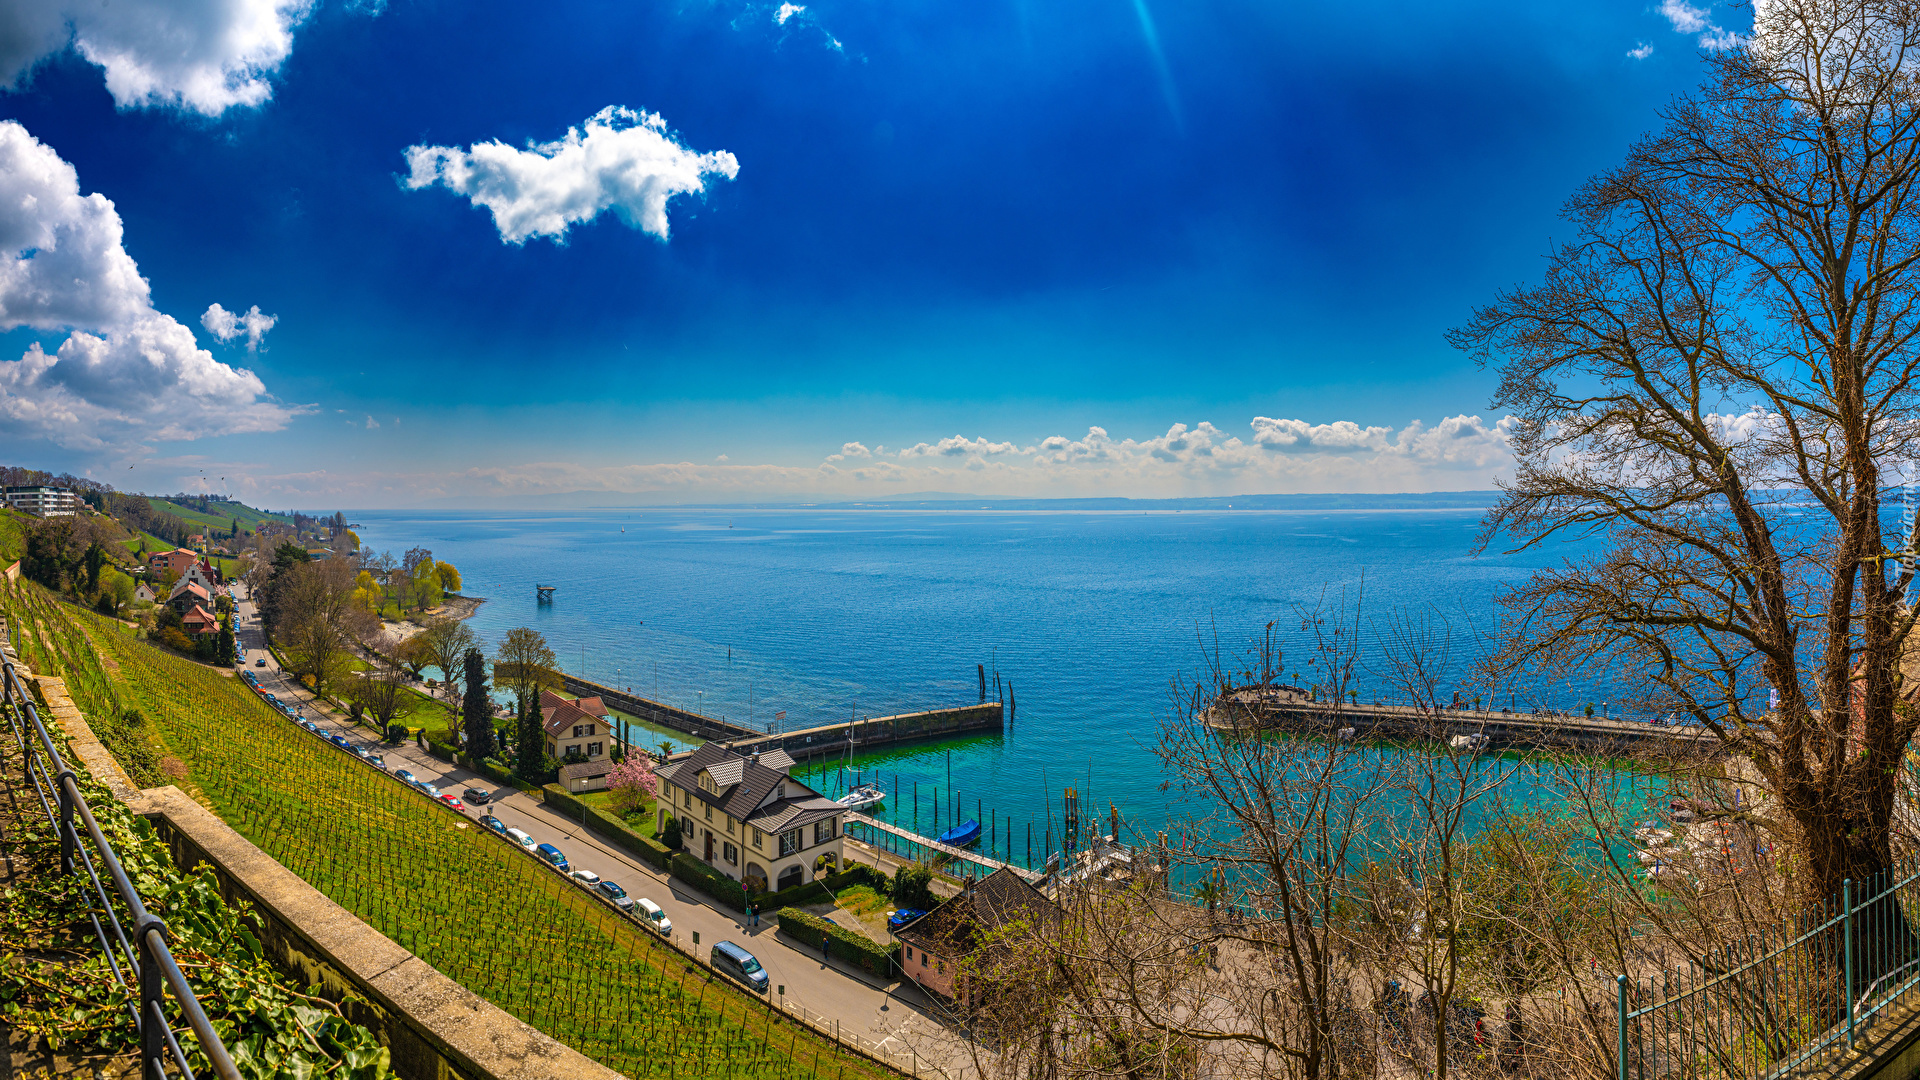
(831, 739)
(654, 712)
(1503, 730)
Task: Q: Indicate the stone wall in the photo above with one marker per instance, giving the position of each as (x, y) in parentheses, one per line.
(654, 712)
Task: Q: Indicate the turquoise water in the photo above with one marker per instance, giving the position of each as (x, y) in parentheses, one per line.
(825, 614)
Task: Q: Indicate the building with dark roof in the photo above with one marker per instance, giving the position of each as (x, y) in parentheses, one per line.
(578, 729)
(932, 945)
(746, 817)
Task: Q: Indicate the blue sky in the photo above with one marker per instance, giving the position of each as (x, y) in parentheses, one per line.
(1120, 247)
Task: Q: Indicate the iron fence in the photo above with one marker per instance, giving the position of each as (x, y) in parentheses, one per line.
(1776, 1002)
(132, 939)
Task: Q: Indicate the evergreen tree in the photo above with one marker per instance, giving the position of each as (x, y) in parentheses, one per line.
(96, 558)
(530, 750)
(476, 711)
(223, 649)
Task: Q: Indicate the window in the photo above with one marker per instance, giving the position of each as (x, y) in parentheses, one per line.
(759, 839)
(790, 841)
(823, 831)
(709, 810)
(707, 784)
(907, 951)
(730, 853)
(593, 749)
(589, 729)
(923, 958)
(729, 826)
(578, 731)
(550, 750)
(941, 967)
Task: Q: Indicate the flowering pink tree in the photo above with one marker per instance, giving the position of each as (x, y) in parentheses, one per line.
(633, 783)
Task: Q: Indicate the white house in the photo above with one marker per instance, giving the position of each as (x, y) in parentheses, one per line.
(746, 817)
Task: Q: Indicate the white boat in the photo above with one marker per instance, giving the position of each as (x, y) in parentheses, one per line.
(1470, 743)
(862, 797)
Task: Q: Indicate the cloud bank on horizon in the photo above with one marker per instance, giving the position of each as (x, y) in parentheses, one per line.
(126, 372)
(1277, 455)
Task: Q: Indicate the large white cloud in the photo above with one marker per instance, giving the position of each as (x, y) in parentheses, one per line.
(203, 55)
(126, 372)
(624, 161)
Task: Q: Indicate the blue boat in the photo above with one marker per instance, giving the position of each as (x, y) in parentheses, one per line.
(961, 835)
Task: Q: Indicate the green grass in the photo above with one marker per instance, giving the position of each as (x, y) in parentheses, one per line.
(484, 914)
(249, 517)
(862, 900)
(13, 535)
(643, 820)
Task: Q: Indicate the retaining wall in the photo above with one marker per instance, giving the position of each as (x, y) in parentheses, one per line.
(880, 731)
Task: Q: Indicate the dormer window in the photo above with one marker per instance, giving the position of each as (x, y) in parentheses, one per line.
(707, 785)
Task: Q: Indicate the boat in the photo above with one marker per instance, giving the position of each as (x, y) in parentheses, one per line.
(961, 835)
(1470, 743)
(862, 797)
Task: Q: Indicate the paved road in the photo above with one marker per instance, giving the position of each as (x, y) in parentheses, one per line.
(894, 1014)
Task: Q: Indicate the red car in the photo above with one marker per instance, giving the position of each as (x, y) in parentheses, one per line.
(453, 801)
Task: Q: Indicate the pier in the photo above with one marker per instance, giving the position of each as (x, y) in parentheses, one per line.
(1289, 708)
(827, 739)
(834, 740)
(862, 821)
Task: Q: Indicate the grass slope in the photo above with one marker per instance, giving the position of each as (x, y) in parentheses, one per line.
(485, 915)
(249, 517)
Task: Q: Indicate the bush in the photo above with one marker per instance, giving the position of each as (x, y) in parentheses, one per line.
(670, 836)
(913, 887)
(604, 825)
(709, 881)
(396, 734)
(855, 948)
(861, 874)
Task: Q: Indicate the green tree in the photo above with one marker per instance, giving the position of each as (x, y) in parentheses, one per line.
(449, 577)
(477, 709)
(670, 834)
(94, 560)
(223, 647)
(525, 664)
(530, 747)
(913, 887)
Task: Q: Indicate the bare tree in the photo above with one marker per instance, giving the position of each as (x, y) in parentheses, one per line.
(380, 692)
(1716, 380)
(319, 624)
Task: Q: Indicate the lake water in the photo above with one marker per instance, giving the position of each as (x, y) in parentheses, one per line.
(824, 614)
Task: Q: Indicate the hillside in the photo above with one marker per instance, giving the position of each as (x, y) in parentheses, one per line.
(221, 515)
(464, 901)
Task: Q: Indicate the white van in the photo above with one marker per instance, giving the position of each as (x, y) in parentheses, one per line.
(653, 918)
(522, 839)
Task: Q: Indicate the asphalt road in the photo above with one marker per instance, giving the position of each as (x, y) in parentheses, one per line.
(893, 1014)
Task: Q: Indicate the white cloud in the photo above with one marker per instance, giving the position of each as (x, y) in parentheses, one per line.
(203, 55)
(1685, 18)
(226, 325)
(625, 161)
(371, 422)
(126, 372)
(1641, 50)
(1688, 19)
(787, 11)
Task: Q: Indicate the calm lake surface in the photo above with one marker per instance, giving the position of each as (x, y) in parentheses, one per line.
(826, 614)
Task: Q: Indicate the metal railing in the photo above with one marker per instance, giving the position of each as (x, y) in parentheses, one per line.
(1777, 1002)
(138, 957)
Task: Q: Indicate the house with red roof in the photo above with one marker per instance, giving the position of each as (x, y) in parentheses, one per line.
(578, 729)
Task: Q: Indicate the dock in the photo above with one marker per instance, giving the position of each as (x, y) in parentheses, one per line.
(867, 733)
(862, 821)
(1290, 708)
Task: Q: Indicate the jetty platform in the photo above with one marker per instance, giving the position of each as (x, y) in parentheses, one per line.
(1288, 708)
(873, 829)
(861, 733)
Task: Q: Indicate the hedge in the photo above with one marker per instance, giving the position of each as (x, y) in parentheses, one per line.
(709, 881)
(855, 948)
(607, 827)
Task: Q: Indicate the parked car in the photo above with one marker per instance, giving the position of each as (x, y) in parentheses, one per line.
(453, 801)
(477, 796)
(427, 789)
(585, 877)
(615, 893)
(337, 740)
(521, 838)
(494, 823)
(405, 776)
(262, 662)
(653, 918)
(553, 855)
(376, 761)
(732, 960)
